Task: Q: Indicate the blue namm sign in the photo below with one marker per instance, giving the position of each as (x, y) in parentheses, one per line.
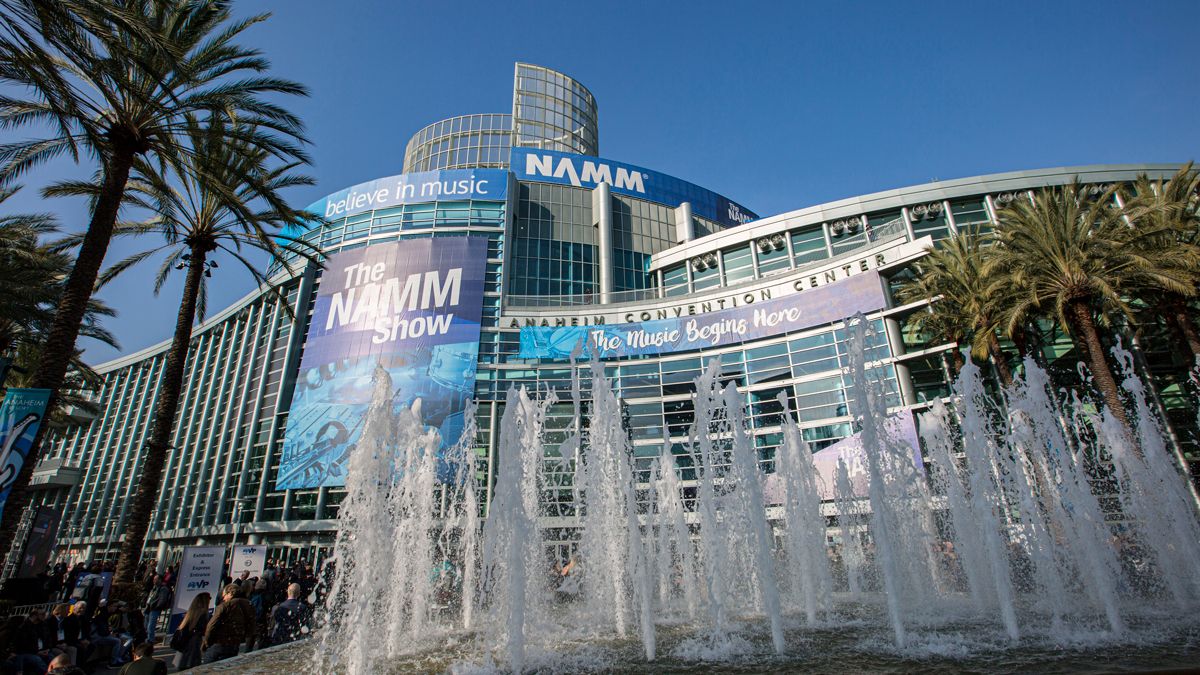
(564, 168)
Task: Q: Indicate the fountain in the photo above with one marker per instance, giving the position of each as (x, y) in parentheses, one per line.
(1032, 531)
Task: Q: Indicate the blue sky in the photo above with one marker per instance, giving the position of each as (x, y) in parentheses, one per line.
(776, 105)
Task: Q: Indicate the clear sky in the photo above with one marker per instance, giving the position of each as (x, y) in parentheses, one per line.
(777, 105)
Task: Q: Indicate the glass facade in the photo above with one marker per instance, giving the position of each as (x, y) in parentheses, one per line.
(640, 229)
(555, 241)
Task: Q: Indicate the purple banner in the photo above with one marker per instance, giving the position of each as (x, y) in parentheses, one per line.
(824, 304)
(412, 307)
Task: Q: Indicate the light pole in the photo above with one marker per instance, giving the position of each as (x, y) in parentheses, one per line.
(238, 507)
(109, 530)
(61, 542)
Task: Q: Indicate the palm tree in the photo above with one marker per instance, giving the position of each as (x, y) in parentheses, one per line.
(197, 219)
(1071, 255)
(1170, 208)
(967, 308)
(31, 274)
(116, 80)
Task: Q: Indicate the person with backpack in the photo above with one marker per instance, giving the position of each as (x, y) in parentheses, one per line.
(231, 625)
(158, 600)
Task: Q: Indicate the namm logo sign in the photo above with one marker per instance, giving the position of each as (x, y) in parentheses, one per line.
(582, 172)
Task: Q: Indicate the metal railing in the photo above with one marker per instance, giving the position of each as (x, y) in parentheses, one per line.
(22, 610)
(580, 300)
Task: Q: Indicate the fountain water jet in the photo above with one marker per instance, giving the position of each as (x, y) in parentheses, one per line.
(687, 541)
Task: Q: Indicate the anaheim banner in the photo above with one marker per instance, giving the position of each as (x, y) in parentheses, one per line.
(824, 304)
(412, 307)
(20, 416)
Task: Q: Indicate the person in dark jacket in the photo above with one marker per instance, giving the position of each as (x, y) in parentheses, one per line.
(259, 600)
(63, 631)
(75, 631)
(289, 617)
(231, 625)
(157, 601)
(144, 662)
(190, 634)
(19, 646)
(104, 643)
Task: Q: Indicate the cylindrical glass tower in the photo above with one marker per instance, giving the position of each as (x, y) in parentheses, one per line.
(550, 111)
(554, 112)
(464, 142)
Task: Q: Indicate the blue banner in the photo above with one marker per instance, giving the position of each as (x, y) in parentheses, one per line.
(20, 416)
(412, 188)
(564, 168)
(824, 304)
(413, 307)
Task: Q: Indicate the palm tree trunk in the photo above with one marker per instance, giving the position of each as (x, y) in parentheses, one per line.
(157, 447)
(1175, 310)
(956, 361)
(999, 360)
(59, 347)
(1084, 328)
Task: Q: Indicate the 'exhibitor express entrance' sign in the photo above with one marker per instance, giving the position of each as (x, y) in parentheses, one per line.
(826, 304)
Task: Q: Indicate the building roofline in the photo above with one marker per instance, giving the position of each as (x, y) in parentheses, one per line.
(203, 326)
(897, 197)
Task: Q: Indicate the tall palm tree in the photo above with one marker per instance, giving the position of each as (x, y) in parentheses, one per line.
(116, 80)
(968, 308)
(1071, 255)
(196, 218)
(1170, 208)
(31, 274)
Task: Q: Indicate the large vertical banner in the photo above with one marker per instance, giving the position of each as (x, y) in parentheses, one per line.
(413, 308)
(20, 416)
(40, 542)
(199, 572)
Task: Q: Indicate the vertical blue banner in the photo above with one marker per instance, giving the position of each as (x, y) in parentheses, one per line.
(412, 307)
(20, 416)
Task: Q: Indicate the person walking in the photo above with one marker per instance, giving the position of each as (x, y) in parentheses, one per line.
(288, 617)
(189, 636)
(231, 625)
(157, 601)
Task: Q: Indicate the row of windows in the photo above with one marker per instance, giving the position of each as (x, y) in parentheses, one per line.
(773, 254)
(460, 142)
(407, 217)
(489, 151)
(464, 123)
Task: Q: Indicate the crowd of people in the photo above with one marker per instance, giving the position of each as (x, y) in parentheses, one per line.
(83, 632)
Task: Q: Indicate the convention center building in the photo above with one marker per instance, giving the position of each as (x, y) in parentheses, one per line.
(506, 239)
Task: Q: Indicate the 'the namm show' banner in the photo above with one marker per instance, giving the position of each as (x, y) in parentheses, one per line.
(413, 307)
(824, 304)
